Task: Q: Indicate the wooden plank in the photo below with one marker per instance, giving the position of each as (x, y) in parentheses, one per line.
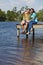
(18, 26)
(34, 26)
(38, 26)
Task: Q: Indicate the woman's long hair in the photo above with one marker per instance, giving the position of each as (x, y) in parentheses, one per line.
(33, 10)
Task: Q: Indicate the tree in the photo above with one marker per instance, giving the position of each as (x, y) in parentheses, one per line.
(15, 9)
(22, 9)
(26, 7)
(40, 15)
(2, 15)
(10, 15)
(15, 15)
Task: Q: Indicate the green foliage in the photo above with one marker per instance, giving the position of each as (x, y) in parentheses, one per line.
(40, 15)
(10, 15)
(15, 15)
(26, 7)
(2, 15)
(15, 9)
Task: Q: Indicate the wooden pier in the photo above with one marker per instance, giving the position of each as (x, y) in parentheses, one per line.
(18, 26)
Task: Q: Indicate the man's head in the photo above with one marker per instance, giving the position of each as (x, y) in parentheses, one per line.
(28, 10)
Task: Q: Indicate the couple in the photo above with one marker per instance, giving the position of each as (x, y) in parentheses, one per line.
(29, 18)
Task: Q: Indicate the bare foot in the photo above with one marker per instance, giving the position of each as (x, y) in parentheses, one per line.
(28, 33)
(31, 29)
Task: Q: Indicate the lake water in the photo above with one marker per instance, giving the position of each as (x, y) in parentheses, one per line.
(20, 51)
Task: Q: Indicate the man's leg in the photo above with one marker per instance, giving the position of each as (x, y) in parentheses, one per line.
(22, 25)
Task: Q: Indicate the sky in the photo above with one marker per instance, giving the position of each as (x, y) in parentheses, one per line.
(9, 4)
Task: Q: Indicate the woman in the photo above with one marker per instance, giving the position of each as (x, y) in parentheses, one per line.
(25, 19)
(33, 20)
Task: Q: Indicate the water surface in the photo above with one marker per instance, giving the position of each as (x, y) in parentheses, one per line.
(20, 51)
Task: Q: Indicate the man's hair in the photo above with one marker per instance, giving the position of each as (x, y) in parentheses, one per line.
(28, 9)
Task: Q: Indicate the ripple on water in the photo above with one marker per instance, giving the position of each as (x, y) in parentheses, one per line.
(20, 51)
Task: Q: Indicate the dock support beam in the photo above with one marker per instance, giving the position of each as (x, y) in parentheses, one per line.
(26, 32)
(33, 33)
(26, 35)
(18, 32)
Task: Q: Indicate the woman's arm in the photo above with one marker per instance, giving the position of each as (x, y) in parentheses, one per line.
(33, 16)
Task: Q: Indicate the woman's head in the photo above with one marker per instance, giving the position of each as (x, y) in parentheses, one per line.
(32, 10)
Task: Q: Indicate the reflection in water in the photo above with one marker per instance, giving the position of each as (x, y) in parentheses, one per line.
(19, 51)
(18, 41)
(30, 51)
(26, 47)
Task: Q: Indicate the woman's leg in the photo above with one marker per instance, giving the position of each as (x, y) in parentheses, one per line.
(31, 25)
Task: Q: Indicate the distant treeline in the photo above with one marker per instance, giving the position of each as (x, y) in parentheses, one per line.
(15, 15)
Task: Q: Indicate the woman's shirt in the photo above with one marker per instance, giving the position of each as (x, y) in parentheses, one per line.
(34, 17)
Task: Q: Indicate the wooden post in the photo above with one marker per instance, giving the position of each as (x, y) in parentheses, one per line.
(26, 32)
(26, 35)
(33, 33)
(18, 32)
